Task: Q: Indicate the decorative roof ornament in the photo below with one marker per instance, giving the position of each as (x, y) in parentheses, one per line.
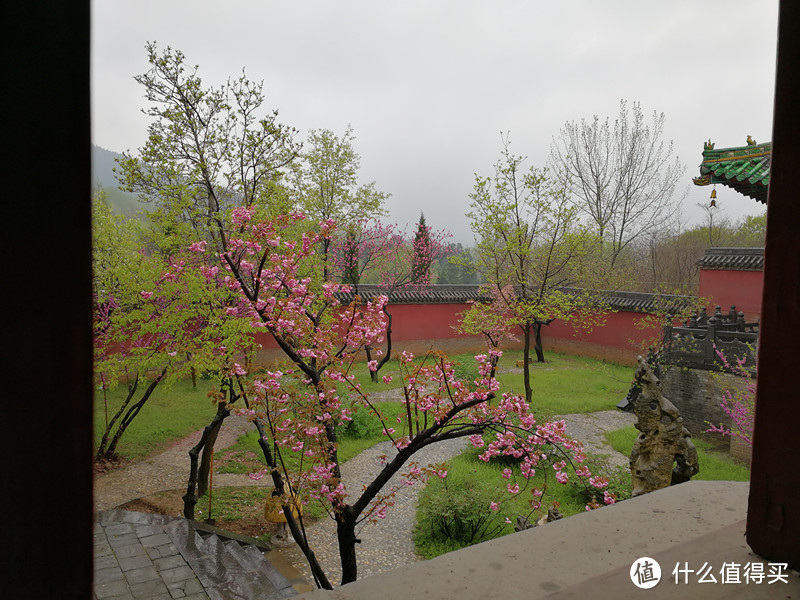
(746, 169)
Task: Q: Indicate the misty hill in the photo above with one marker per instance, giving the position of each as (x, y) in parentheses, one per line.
(103, 163)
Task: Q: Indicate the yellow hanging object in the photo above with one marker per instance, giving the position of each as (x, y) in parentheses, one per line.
(272, 509)
(714, 197)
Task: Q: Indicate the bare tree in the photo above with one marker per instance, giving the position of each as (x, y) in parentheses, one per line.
(623, 177)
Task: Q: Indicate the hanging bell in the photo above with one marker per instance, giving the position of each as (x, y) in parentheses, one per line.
(714, 197)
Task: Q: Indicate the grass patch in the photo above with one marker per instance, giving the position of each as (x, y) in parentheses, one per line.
(563, 384)
(714, 466)
(566, 384)
(455, 512)
(171, 413)
(231, 503)
(234, 503)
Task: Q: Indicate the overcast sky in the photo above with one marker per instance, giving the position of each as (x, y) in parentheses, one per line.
(428, 85)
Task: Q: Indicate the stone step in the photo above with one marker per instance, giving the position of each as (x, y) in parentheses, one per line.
(253, 556)
(225, 568)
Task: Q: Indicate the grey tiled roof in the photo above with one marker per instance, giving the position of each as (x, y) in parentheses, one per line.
(461, 294)
(642, 301)
(733, 259)
(428, 294)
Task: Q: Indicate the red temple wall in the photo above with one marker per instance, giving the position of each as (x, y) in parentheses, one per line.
(742, 288)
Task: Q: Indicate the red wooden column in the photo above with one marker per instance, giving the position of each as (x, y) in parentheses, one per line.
(773, 516)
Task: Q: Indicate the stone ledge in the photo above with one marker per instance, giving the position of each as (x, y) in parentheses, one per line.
(697, 521)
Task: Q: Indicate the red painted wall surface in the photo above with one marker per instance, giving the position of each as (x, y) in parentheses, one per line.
(421, 327)
(621, 338)
(416, 328)
(742, 288)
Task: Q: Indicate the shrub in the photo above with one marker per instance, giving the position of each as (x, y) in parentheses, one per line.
(458, 510)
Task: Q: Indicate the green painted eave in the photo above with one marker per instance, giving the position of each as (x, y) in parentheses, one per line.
(745, 169)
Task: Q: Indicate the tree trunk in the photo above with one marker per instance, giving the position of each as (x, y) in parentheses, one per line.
(190, 497)
(537, 332)
(297, 529)
(346, 535)
(388, 355)
(205, 461)
(526, 367)
(132, 412)
(537, 329)
(102, 448)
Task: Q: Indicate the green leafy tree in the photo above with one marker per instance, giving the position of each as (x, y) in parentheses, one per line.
(208, 149)
(421, 264)
(455, 267)
(326, 187)
(149, 329)
(529, 246)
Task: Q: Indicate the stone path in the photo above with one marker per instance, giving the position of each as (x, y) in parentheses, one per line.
(168, 470)
(590, 427)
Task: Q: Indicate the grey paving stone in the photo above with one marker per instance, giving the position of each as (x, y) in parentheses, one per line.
(200, 596)
(119, 529)
(98, 528)
(135, 562)
(186, 587)
(178, 588)
(162, 551)
(126, 596)
(193, 586)
(104, 562)
(169, 562)
(130, 550)
(150, 590)
(176, 574)
(152, 541)
(111, 589)
(122, 540)
(141, 575)
(103, 550)
(109, 574)
(147, 530)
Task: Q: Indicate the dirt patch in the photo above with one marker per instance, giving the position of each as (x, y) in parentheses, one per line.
(170, 503)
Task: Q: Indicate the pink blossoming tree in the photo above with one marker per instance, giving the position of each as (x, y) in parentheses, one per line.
(739, 405)
(297, 407)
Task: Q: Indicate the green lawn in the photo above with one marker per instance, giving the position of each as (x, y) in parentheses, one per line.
(556, 389)
(566, 384)
(171, 413)
(177, 410)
